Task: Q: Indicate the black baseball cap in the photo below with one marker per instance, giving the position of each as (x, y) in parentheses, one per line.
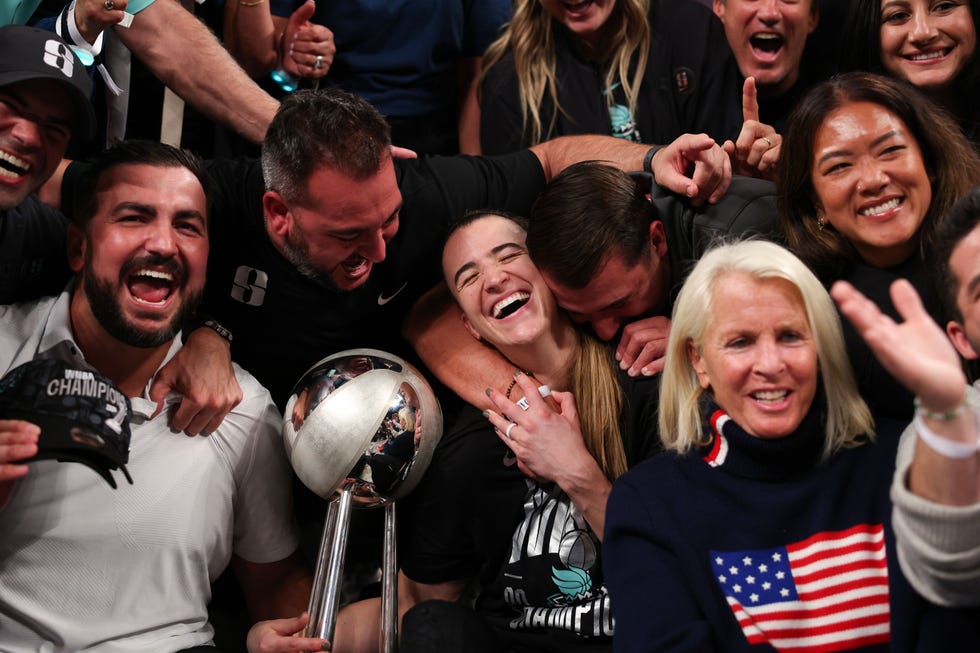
(30, 53)
(83, 416)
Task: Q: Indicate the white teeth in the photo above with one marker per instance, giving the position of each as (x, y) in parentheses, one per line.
(22, 166)
(143, 301)
(926, 56)
(767, 36)
(770, 395)
(881, 208)
(499, 307)
(155, 274)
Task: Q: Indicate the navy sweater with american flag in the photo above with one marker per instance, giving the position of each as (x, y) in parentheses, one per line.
(759, 545)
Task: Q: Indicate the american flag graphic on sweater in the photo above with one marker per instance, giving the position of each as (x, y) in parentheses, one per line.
(826, 593)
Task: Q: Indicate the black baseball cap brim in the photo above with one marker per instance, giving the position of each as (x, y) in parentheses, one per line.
(28, 53)
(66, 440)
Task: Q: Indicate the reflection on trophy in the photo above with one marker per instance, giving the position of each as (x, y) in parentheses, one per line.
(359, 430)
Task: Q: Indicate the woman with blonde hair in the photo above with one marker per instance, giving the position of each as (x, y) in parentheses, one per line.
(629, 68)
(766, 525)
(519, 502)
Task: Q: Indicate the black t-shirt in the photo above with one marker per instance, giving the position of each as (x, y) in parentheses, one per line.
(466, 519)
(283, 322)
(33, 252)
(748, 209)
(886, 397)
(686, 74)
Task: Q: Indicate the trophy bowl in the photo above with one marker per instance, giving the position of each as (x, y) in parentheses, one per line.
(362, 418)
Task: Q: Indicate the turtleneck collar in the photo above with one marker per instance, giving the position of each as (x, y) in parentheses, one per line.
(730, 447)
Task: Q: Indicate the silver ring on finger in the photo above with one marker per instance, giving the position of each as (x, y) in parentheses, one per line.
(319, 62)
(768, 141)
(109, 5)
(509, 427)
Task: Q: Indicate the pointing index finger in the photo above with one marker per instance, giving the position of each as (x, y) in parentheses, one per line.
(750, 100)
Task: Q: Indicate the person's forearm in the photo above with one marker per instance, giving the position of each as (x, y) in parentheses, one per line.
(945, 480)
(556, 155)
(186, 57)
(251, 36)
(463, 364)
(588, 488)
(467, 76)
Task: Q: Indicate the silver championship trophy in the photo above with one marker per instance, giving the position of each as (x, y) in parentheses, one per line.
(359, 430)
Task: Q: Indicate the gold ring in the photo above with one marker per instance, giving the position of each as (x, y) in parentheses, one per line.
(767, 140)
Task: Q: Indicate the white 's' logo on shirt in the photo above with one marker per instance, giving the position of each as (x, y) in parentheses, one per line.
(249, 286)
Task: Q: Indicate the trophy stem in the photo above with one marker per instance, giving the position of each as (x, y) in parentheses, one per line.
(325, 597)
(389, 580)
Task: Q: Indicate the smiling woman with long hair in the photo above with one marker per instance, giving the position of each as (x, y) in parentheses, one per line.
(932, 44)
(868, 169)
(532, 535)
(629, 68)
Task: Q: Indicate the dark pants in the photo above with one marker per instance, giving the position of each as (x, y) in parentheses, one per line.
(440, 626)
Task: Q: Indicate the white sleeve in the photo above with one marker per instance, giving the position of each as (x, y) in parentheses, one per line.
(265, 530)
(938, 545)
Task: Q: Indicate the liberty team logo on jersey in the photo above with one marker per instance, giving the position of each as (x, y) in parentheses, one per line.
(826, 593)
(553, 575)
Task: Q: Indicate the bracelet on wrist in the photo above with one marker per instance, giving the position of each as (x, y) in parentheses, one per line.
(944, 446)
(648, 159)
(939, 415)
(513, 382)
(208, 322)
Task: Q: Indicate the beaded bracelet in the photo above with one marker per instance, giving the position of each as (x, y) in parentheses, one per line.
(936, 415)
(944, 446)
(514, 381)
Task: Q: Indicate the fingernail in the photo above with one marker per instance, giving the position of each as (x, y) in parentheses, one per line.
(517, 373)
(623, 365)
(647, 372)
(488, 391)
(619, 356)
(486, 414)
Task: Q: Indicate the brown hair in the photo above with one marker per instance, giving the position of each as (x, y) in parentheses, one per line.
(952, 164)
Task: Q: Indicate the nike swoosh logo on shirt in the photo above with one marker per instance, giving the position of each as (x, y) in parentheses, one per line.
(382, 300)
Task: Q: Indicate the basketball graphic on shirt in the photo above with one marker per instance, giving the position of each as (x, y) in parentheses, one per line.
(577, 550)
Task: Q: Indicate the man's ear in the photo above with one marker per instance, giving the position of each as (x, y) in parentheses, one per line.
(76, 247)
(279, 219)
(718, 6)
(658, 239)
(469, 327)
(814, 17)
(957, 334)
(697, 363)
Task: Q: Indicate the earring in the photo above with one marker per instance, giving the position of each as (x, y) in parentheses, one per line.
(821, 223)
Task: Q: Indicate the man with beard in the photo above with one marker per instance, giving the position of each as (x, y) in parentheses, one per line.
(83, 565)
(328, 245)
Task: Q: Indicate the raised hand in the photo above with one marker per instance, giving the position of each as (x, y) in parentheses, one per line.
(756, 151)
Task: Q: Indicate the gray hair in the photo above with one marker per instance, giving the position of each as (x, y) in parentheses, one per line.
(322, 128)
